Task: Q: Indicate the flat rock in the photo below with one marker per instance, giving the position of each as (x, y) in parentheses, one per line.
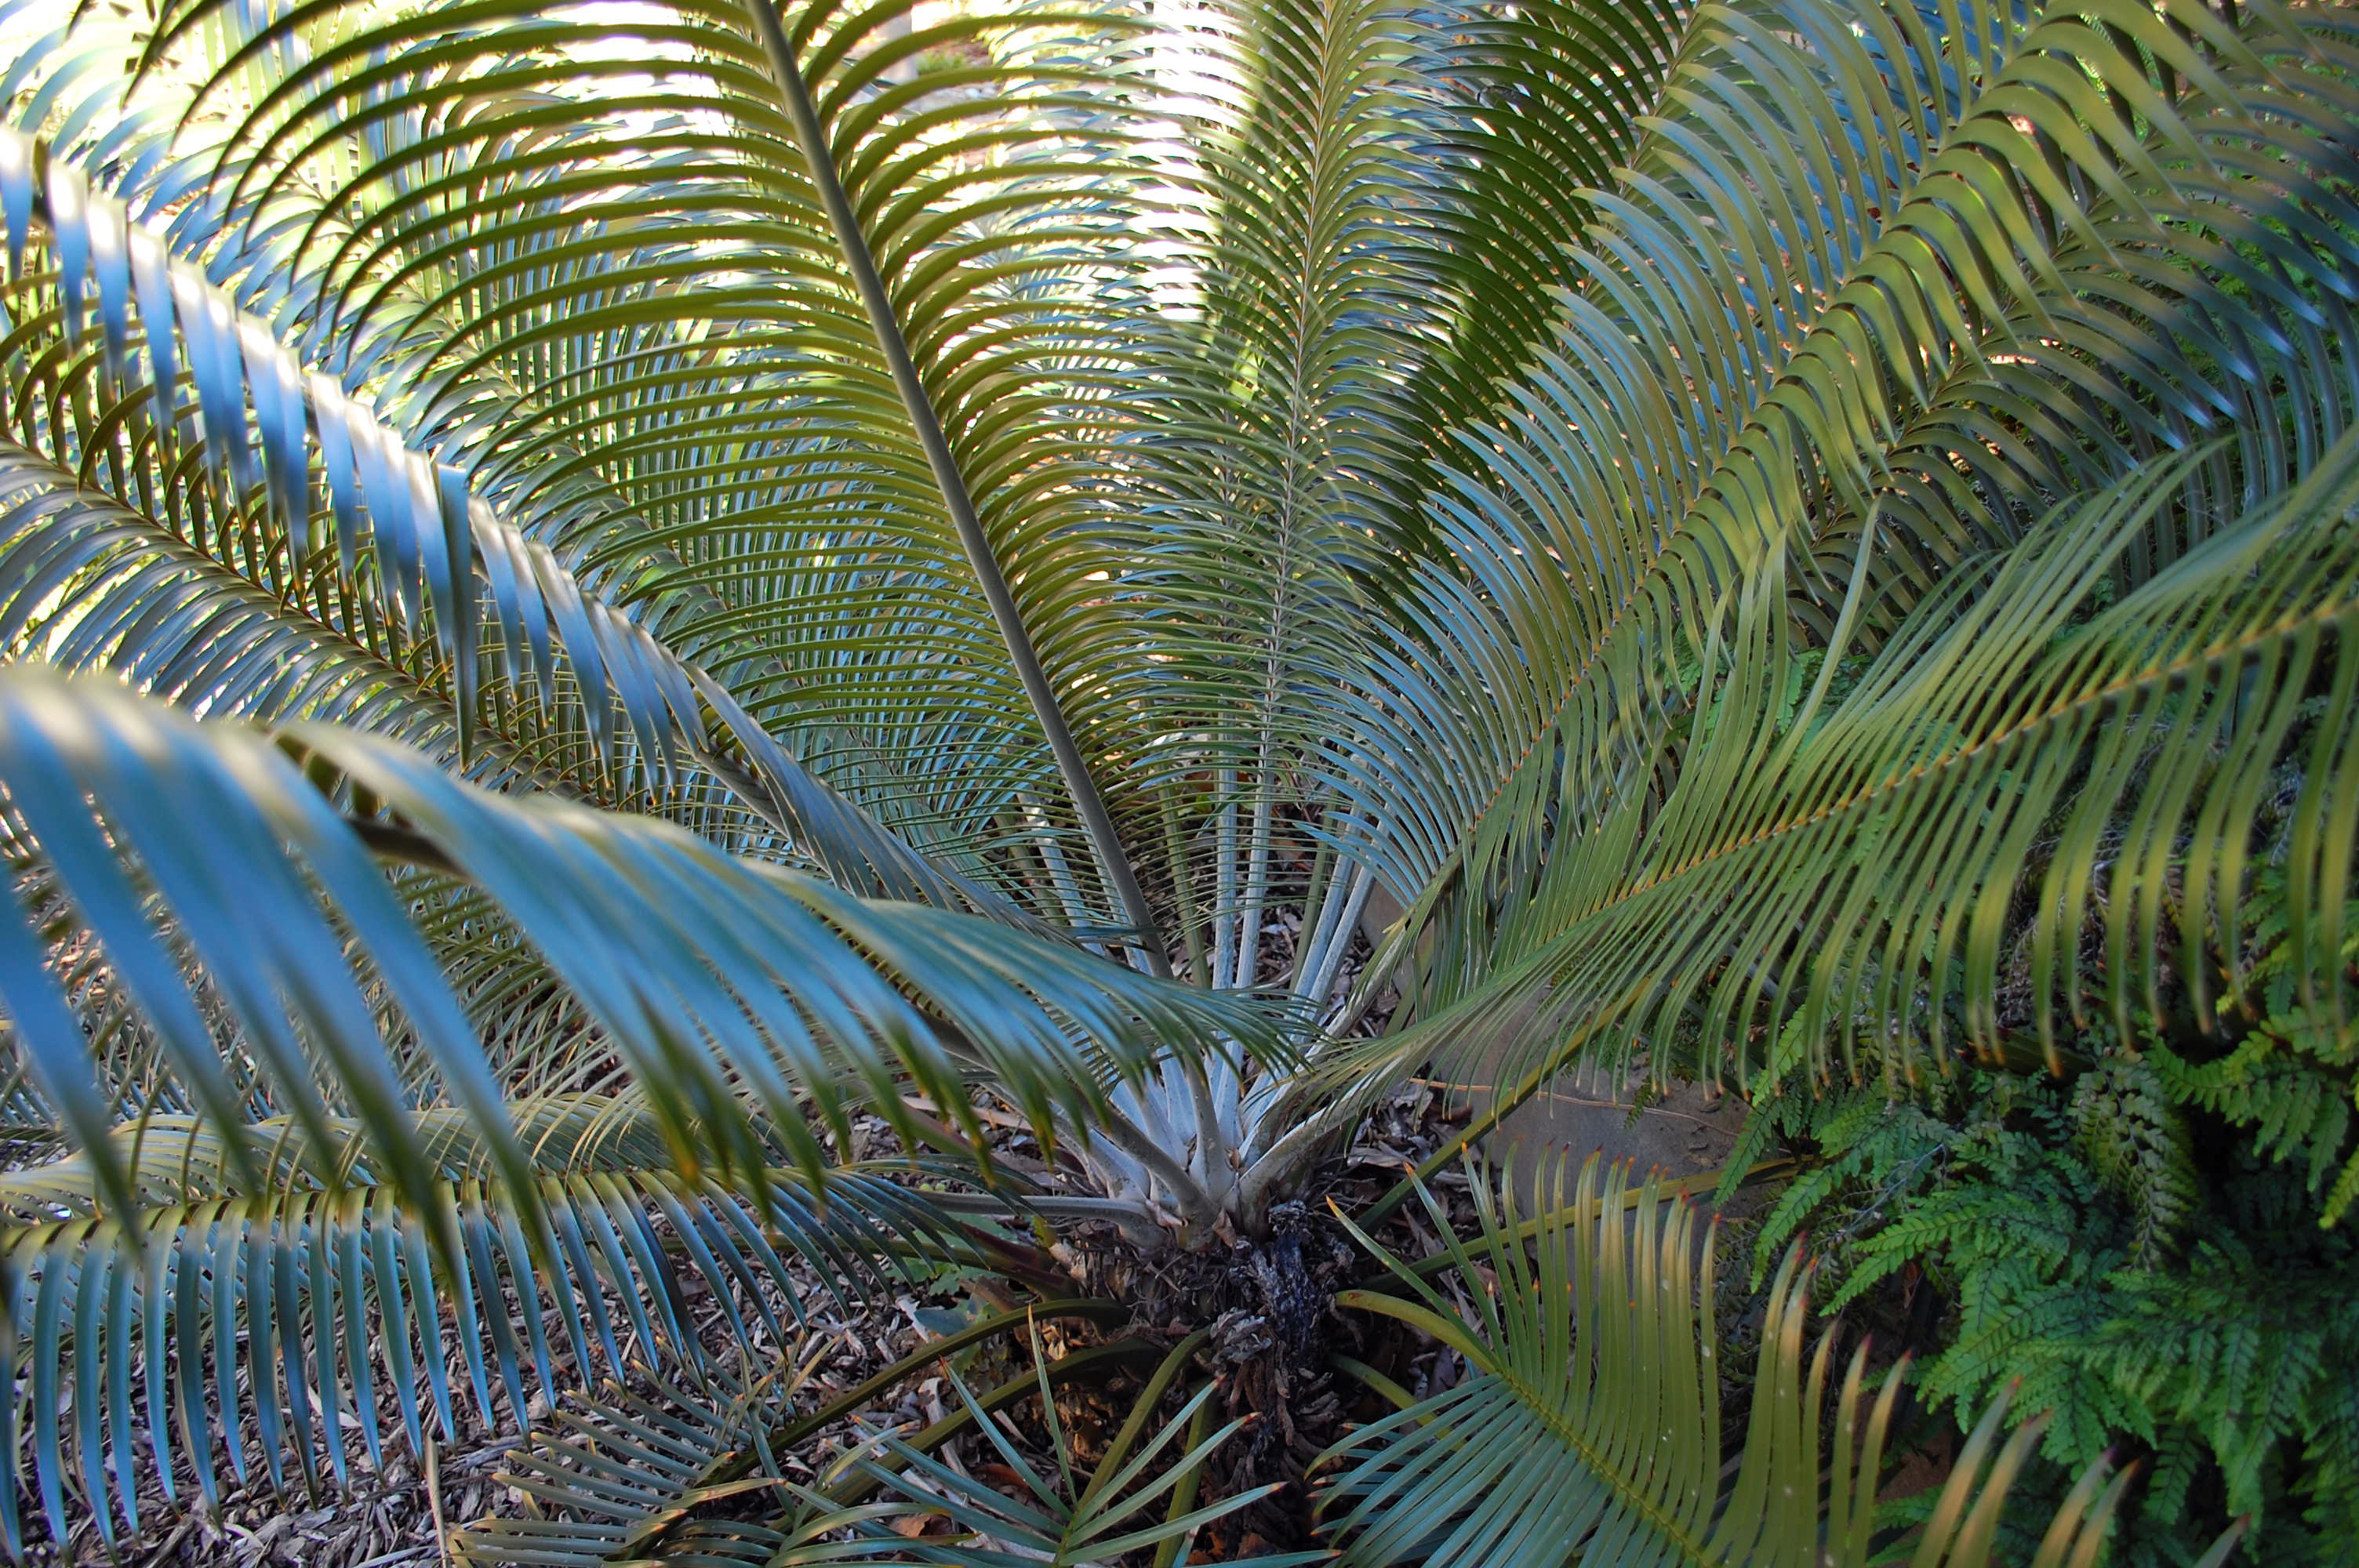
(1678, 1131)
(1688, 1130)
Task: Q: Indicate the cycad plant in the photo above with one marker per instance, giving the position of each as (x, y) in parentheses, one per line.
(599, 589)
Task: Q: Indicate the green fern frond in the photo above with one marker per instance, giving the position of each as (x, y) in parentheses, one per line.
(2138, 1144)
(2219, 1356)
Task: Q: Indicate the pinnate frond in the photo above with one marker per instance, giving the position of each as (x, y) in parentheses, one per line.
(1587, 1429)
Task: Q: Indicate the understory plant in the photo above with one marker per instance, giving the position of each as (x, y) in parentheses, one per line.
(2150, 1247)
(669, 651)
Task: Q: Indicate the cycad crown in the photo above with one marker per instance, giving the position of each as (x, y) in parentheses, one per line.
(688, 574)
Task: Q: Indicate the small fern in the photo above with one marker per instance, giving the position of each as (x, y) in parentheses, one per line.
(2290, 1079)
(2126, 1125)
(2293, 1084)
(2249, 1349)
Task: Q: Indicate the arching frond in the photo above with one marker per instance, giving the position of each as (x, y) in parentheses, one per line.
(706, 408)
(1587, 1427)
(403, 530)
(1363, 284)
(721, 984)
(2039, 252)
(325, 1308)
(408, 605)
(2030, 787)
